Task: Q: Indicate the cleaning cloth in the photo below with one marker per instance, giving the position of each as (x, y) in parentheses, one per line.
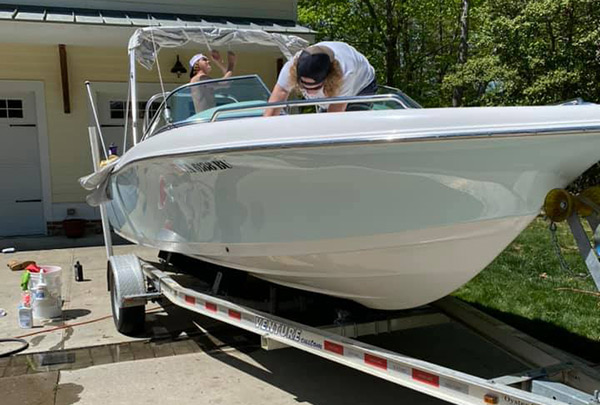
(15, 265)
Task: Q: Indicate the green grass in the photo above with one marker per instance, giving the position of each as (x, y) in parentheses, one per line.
(520, 287)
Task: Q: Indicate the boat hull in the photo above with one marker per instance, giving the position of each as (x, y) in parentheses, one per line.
(399, 271)
(388, 225)
(390, 209)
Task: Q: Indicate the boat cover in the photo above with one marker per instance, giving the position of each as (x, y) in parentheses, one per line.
(147, 42)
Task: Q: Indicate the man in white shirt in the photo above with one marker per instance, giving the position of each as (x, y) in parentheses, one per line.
(327, 69)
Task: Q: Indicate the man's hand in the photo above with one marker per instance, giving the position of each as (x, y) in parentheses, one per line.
(215, 55)
(231, 60)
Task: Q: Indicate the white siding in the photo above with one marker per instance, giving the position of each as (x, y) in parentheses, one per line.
(277, 9)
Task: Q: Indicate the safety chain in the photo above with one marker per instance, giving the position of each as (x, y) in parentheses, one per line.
(561, 259)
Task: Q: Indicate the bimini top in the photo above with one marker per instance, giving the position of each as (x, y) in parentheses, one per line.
(147, 42)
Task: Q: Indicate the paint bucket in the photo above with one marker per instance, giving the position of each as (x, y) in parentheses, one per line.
(45, 288)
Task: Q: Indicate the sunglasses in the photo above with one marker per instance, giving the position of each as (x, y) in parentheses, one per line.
(310, 86)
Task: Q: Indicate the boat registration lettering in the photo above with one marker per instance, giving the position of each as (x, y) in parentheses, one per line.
(203, 167)
(278, 328)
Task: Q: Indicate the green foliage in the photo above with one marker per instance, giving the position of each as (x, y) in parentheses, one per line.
(519, 51)
(543, 51)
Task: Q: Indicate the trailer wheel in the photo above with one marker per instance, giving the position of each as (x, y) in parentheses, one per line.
(129, 321)
(125, 279)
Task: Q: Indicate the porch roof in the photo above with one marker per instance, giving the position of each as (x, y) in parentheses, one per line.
(135, 19)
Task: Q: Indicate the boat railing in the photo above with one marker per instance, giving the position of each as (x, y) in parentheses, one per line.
(314, 102)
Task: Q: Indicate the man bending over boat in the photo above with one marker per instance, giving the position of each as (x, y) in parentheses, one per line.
(200, 69)
(326, 69)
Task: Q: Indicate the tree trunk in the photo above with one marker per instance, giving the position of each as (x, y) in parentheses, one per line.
(391, 41)
(457, 94)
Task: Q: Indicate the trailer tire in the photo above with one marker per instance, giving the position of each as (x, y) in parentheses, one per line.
(129, 321)
(126, 279)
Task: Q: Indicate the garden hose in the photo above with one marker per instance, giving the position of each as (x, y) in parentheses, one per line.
(23, 342)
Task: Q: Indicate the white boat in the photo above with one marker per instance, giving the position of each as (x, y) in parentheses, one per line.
(392, 207)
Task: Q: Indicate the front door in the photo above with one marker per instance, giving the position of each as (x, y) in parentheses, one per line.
(21, 208)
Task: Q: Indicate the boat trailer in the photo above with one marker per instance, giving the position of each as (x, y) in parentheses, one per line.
(554, 378)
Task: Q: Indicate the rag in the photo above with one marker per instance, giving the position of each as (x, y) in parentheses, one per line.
(16, 265)
(33, 268)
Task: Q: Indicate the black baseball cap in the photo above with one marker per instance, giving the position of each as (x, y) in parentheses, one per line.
(315, 62)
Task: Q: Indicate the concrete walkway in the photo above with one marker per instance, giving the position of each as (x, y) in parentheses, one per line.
(86, 301)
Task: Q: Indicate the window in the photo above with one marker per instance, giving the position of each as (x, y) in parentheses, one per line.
(11, 108)
(117, 109)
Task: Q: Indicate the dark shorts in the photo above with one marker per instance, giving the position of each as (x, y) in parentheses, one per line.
(369, 90)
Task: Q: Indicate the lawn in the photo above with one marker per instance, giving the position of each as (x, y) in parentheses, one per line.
(522, 288)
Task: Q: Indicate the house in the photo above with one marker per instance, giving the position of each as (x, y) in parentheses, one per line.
(48, 49)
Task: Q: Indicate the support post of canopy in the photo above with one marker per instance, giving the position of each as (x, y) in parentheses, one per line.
(105, 224)
(132, 85)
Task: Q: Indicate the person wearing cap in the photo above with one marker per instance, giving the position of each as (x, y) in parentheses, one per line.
(324, 70)
(200, 69)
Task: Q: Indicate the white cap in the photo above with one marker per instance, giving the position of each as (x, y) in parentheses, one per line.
(195, 59)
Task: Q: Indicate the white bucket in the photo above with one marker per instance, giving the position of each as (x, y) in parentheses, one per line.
(46, 302)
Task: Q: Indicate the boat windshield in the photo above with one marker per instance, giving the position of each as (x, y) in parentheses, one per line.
(246, 96)
(197, 102)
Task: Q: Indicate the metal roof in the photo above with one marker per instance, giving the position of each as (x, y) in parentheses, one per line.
(21, 13)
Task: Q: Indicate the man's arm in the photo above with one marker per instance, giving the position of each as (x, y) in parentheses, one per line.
(231, 60)
(278, 94)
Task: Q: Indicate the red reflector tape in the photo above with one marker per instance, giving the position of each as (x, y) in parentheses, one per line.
(426, 378)
(190, 300)
(211, 307)
(334, 347)
(376, 361)
(234, 314)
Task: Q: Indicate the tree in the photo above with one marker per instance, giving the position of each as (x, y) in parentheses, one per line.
(531, 52)
(463, 47)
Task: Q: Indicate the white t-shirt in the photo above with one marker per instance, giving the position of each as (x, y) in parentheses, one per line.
(357, 72)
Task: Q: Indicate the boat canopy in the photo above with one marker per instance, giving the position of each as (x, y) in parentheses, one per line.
(147, 42)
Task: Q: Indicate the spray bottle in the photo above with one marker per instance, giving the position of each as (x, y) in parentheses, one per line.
(25, 312)
(42, 303)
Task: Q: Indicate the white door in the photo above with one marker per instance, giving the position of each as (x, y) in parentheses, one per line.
(21, 208)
